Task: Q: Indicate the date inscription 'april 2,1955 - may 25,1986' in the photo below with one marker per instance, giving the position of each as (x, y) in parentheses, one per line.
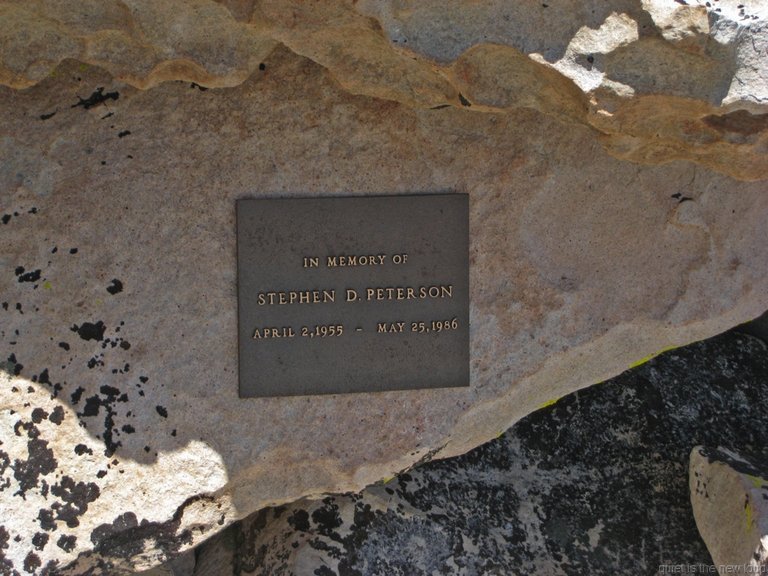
(352, 294)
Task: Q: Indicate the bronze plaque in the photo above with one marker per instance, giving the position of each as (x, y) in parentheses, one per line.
(352, 294)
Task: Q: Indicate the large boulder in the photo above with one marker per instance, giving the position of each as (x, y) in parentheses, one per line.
(123, 437)
(594, 484)
(729, 495)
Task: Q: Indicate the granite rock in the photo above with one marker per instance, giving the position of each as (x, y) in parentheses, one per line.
(729, 495)
(182, 565)
(595, 484)
(124, 441)
(657, 80)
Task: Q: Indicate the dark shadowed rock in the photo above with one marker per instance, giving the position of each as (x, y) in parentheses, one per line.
(595, 484)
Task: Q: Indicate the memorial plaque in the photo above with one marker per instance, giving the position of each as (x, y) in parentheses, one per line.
(353, 294)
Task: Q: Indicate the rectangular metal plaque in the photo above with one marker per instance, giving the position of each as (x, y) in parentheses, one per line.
(352, 294)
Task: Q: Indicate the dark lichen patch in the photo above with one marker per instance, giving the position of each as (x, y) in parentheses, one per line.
(110, 395)
(104, 534)
(162, 411)
(299, 520)
(40, 461)
(128, 429)
(66, 543)
(20, 428)
(82, 449)
(125, 537)
(327, 517)
(90, 330)
(75, 497)
(39, 540)
(109, 391)
(44, 377)
(45, 517)
(6, 565)
(95, 361)
(38, 415)
(77, 394)
(680, 198)
(5, 462)
(92, 406)
(57, 415)
(124, 370)
(64, 346)
(13, 366)
(31, 276)
(48, 116)
(97, 97)
(32, 562)
(123, 133)
(115, 287)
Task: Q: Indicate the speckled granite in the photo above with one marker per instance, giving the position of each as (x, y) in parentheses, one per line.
(595, 484)
(123, 437)
(729, 495)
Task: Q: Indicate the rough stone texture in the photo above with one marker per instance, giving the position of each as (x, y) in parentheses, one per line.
(182, 565)
(123, 439)
(596, 484)
(729, 495)
(658, 80)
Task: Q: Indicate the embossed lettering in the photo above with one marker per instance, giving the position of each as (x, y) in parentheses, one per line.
(296, 297)
(355, 260)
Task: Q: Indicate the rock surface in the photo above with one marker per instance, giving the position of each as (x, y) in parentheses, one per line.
(182, 565)
(123, 439)
(596, 484)
(658, 80)
(729, 496)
